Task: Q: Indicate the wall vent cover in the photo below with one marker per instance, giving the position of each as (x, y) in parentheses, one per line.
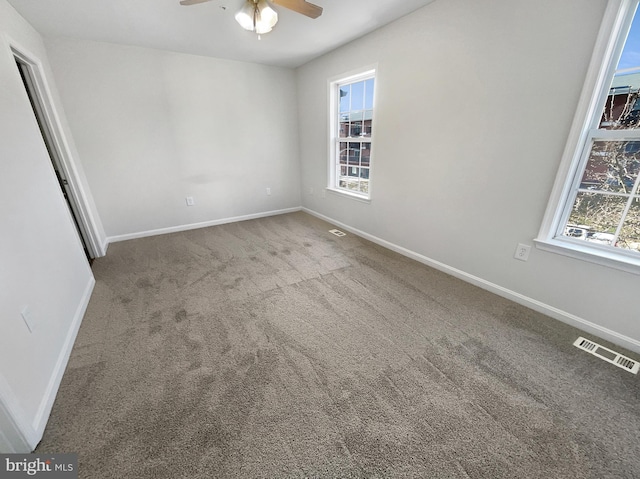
(608, 355)
(338, 232)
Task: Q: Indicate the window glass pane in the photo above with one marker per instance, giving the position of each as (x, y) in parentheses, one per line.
(350, 183)
(354, 153)
(368, 94)
(366, 124)
(356, 124)
(622, 108)
(595, 213)
(357, 96)
(630, 232)
(365, 154)
(345, 98)
(344, 152)
(356, 128)
(612, 166)
(631, 53)
(343, 129)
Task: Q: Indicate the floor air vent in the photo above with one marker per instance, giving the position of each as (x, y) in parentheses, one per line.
(608, 355)
(338, 232)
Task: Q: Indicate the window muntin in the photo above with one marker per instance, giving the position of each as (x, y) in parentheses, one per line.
(602, 211)
(352, 127)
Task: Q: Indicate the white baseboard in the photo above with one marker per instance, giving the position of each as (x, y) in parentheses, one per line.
(555, 313)
(42, 416)
(193, 226)
(101, 248)
(16, 434)
(105, 247)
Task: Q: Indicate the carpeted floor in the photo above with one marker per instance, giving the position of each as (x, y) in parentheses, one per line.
(271, 348)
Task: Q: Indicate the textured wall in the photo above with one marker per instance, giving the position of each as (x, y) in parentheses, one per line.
(154, 127)
(475, 102)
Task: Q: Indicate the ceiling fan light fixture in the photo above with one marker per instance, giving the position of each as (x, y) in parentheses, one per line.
(260, 30)
(268, 16)
(244, 16)
(257, 16)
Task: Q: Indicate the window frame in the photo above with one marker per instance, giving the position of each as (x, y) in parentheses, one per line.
(608, 48)
(366, 73)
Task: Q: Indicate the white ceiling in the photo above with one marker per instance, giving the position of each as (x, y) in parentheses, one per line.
(210, 28)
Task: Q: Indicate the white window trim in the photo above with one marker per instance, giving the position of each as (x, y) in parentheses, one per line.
(615, 25)
(349, 77)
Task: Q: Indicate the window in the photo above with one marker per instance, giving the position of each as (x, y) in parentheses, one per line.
(351, 133)
(597, 214)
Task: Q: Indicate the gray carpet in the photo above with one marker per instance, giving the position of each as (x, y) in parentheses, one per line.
(271, 348)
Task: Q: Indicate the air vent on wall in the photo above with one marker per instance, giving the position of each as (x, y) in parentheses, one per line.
(608, 355)
(338, 232)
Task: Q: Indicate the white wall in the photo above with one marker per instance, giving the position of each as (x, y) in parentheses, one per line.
(43, 264)
(476, 99)
(154, 127)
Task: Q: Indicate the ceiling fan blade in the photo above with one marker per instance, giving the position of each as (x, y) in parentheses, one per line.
(192, 2)
(300, 6)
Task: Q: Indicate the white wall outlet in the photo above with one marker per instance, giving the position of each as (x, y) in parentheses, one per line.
(311, 190)
(28, 318)
(190, 201)
(268, 191)
(522, 252)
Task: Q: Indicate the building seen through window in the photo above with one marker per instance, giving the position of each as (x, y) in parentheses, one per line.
(605, 201)
(354, 128)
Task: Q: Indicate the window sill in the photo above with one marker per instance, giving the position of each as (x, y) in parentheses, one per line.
(619, 260)
(353, 196)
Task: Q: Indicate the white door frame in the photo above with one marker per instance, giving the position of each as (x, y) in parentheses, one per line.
(62, 156)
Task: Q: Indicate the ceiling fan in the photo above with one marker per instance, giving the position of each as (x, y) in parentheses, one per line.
(257, 16)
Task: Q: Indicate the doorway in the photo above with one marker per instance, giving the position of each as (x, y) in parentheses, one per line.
(28, 74)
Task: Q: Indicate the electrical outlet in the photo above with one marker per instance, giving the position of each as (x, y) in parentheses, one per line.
(268, 191)
(522, 252)
(190, 201)
(311, 190)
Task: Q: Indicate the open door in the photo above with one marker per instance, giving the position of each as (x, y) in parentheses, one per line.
(28, 75)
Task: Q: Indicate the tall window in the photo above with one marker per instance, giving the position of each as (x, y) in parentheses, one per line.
(351, 133)
(600, 212)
